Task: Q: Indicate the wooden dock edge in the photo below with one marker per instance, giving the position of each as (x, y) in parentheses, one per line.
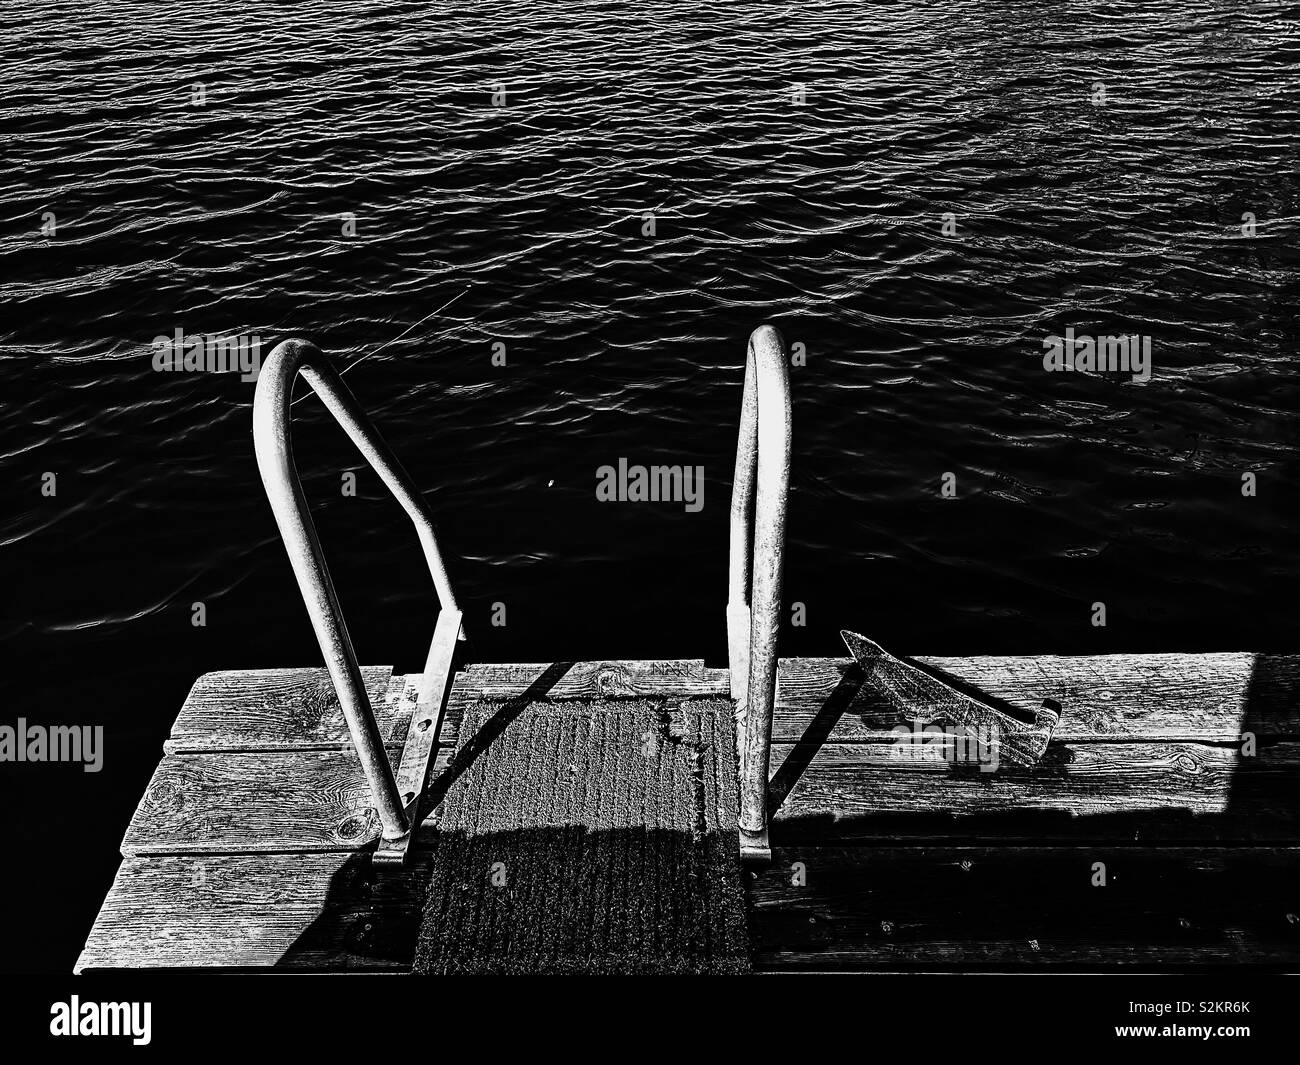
(250, 846)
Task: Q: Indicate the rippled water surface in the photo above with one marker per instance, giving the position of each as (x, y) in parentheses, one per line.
(525, 225)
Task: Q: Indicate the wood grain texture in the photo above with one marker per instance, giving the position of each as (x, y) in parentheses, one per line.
(250, 846)
(591, 680)
(1117, 791)
(1208, 697)
(860, 908)
(279, 800)
(252, 708)
(314, 912)
(250, 801)
(1026, 907)
(1205, 697)
(261, 761)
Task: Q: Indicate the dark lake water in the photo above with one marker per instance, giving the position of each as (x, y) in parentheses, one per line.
(1113, 168)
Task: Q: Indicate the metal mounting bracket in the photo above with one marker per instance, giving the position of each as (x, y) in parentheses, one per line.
(422, 736)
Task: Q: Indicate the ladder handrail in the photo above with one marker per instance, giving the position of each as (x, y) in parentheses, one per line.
(762, 483)
(272, 418)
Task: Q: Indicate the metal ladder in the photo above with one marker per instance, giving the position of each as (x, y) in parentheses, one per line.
(753, 606)
(396, 798)
(757, 562)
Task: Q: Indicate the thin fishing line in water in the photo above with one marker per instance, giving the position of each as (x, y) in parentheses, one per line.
(386, 343)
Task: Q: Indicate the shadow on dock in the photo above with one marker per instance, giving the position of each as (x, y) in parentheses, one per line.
(1197, 834)
(1106, 788)
(370, 915)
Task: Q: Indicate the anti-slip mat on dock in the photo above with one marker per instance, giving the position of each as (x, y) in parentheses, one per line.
(589, 836)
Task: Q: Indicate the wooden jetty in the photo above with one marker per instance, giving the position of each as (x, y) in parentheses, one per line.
(251, 848)
(291, 821)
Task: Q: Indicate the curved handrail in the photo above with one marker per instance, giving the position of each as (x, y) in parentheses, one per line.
(754, 596)
(274, 449)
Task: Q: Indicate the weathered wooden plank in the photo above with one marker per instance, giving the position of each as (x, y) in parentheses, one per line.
(264, 824)
(264, 709)
(673, 678)
(315, 912)
(1197, 697)
(257, 801)
(310, 800)
(858, 908)
(1168, 791)
(1210, 697)
(586, 680)
(269, 789)
(925, 908)
(251, 708)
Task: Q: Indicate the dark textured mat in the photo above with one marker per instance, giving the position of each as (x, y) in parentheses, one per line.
(589, 837)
